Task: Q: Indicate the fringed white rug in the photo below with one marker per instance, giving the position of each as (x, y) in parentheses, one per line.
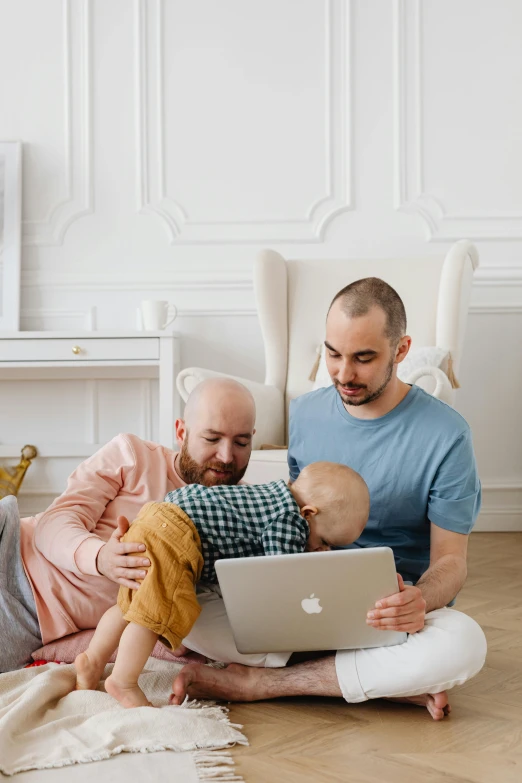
(46, 724)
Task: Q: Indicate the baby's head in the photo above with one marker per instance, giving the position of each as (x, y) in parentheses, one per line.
(335, 502)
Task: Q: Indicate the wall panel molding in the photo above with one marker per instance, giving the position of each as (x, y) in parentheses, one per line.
(498, 276)
(57, 319)
(78, 153)
(150, 154)
(495, 309)
(152, 281)
(499, 520)
(231, 280)
(502, 507)
(410, 190)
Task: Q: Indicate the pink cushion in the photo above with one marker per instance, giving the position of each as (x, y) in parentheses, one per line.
(67, 648)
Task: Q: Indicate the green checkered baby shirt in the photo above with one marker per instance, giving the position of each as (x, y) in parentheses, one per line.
(242, 521)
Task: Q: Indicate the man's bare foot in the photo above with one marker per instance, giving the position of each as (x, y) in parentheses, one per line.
(234, 683)
(437, 704)
(244, 683)
(128, 696)
(88, 672)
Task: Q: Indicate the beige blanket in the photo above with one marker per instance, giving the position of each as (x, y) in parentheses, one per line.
(45, 723)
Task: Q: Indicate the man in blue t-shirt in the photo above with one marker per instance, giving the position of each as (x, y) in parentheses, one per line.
(416, 456)
(417, 461)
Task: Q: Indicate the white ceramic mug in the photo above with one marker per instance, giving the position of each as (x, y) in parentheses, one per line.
(157, 315)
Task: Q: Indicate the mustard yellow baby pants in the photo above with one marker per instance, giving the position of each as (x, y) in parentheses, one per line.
(166, 600)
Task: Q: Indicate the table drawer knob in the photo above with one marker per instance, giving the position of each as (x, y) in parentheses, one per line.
(76, 349)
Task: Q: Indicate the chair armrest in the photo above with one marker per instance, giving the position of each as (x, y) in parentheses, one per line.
(270, 411)
(443, 389)
(269, 465)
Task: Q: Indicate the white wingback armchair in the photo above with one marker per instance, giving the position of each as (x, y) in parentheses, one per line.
(292, 298)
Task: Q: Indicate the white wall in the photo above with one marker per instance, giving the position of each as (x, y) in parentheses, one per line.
(167, 140)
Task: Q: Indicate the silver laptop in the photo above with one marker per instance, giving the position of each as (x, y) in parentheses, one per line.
(309, 601)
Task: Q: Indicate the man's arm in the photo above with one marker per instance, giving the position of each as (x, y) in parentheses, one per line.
(406, 610)
(448, 568)
(453, 506)
(66, 532)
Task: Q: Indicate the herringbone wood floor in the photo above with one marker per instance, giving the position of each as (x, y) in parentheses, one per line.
(305, 740)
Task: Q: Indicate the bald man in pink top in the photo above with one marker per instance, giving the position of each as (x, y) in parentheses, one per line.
(61, 570)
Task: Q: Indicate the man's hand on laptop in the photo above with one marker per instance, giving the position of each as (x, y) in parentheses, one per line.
(402, 611)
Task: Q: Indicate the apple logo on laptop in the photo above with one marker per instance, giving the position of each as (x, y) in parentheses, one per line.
(311, 605)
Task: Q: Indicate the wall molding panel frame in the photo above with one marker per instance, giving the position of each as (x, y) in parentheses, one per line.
(33, 319)
(150, 281)
(410, 189)
(77, 77)
(152, 191)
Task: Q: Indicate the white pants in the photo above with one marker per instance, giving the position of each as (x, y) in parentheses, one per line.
(449, 650)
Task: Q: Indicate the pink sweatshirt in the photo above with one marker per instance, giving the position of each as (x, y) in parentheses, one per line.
(60, 546)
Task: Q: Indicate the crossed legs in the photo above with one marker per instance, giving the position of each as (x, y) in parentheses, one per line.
(447, 652)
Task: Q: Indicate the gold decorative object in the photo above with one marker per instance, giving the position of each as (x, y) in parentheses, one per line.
(313, 371)
(76, 349)
(11, 478)
(451, 375)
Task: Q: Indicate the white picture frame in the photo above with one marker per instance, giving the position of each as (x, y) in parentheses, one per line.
(10, 233)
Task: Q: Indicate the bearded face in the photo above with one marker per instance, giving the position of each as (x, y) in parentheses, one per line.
(210, 471)
(362, 393)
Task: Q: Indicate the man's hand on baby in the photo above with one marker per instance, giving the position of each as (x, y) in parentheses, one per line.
(119, 562)
(402, 611)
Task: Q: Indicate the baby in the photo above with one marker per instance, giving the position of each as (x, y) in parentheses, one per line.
(327, 505)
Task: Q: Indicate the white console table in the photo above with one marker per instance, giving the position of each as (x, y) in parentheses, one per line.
(82, 354)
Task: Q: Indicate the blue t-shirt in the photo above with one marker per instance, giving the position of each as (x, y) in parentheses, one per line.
(417, 461)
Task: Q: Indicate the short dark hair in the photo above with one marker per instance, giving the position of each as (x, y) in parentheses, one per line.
(360, 296)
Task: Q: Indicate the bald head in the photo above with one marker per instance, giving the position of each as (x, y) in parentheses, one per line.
(335, 502)
(216, 433)
(223, 393)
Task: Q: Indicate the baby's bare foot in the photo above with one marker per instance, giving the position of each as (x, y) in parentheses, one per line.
(128, 696)
(88, 672)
